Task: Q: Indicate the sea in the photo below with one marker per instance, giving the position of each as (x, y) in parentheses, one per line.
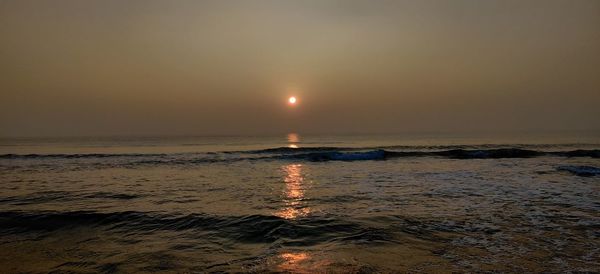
(300, 203)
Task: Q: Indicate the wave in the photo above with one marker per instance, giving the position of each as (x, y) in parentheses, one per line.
(584, 171)
(542, 147)
(249, 228)
(489, 153)
(452, 154)
(316, 154)
(339, 156)
(63, 196)
(304, 231)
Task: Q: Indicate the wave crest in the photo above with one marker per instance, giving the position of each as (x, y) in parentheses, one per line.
(316, 154)
(584, 171)
(250, 228)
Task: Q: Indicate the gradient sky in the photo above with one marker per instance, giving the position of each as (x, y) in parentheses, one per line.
(228, 67)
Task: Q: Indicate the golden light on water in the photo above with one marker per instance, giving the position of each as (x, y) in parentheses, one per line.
(294, 258)
(293, 139)
(293, 193)
(292, 262)
(303, 262)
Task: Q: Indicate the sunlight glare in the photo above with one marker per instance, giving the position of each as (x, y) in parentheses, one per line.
(292, 100)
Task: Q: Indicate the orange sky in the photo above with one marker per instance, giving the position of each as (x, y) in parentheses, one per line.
(228, 67)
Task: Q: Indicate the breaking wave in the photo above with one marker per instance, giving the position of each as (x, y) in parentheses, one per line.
(584, 171)
(315, 154)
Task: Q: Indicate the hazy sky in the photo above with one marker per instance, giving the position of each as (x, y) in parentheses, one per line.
(227, 67)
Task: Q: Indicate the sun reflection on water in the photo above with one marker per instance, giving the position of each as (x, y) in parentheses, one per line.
(293, 195)
(292, 261)
(293, 138)
(304, 262)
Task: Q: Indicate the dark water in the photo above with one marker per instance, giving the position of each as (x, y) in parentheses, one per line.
(300, 204)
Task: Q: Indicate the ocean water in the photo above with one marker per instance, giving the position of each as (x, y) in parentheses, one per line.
(300, 204)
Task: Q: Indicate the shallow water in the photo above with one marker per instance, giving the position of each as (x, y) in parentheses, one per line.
(298, 204)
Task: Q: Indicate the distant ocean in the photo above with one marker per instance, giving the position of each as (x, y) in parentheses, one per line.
(300, 203)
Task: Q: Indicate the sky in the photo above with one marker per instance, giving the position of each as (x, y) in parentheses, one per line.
(105, 67)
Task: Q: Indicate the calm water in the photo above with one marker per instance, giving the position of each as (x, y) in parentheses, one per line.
(300, 204)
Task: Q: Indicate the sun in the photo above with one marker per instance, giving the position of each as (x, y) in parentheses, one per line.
(292, 100)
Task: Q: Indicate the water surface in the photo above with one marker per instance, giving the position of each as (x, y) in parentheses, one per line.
(300, 204)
